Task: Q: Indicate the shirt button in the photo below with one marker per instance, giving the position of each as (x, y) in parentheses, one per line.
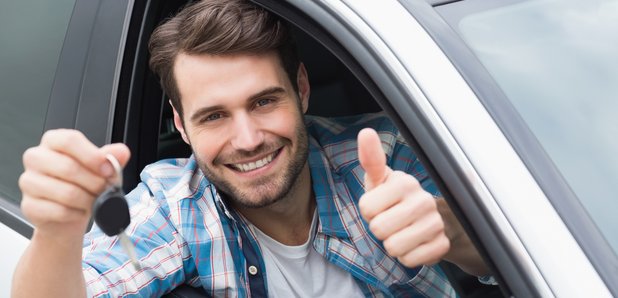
(253, 270)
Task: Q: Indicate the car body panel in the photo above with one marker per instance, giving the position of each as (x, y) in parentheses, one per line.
(14, 245)
(515, 192)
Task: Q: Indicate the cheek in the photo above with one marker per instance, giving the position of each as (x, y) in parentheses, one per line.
(206, 146)
(284, 124)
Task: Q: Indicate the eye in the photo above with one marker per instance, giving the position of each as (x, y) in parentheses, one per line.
(212, 117)
(263, 102)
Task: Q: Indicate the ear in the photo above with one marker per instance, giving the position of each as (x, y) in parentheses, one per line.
(179, 124)
(302, 81)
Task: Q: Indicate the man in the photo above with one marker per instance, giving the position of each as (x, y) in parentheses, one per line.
(270, 201)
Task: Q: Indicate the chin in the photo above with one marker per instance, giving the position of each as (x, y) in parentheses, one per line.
(257, 197)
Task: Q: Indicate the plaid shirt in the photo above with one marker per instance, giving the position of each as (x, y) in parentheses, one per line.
(184, 233)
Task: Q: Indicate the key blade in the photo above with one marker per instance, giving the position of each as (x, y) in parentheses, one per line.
(128, 247)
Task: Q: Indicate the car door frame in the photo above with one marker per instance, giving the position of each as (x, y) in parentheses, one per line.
(480, 202)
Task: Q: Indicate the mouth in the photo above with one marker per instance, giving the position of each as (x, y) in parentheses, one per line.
(254, 165)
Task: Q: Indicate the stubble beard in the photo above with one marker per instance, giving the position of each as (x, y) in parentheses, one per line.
(264, 191)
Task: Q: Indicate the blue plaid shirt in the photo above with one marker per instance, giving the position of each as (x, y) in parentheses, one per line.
(184, 233)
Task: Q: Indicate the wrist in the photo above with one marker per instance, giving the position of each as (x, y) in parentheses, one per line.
(63, 236)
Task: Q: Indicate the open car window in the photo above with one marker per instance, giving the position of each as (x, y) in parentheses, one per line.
(339, 86)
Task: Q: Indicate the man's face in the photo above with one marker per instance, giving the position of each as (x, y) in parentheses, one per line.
(244, 123)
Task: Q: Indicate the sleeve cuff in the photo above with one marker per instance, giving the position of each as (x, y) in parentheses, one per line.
(488, 280)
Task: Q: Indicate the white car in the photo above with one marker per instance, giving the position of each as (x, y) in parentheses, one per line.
(510, 104)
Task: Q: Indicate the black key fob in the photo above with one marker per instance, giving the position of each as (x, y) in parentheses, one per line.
(111, 212)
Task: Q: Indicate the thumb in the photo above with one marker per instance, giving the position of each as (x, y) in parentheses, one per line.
(120, 151)
(372, 157)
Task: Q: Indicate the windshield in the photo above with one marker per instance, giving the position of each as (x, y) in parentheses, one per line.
(557, 63)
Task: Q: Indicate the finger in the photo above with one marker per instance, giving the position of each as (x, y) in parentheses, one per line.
(427, 254)
(411, 237)
(40, 211)
(390, 192)
(371, 157)
(63, 167)
(413, 207)
(55, 190)
(74, 144)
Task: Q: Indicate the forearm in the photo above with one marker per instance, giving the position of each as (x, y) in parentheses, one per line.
(462, 252)
(50, 267)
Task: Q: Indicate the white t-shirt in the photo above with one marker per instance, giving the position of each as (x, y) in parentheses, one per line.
(299, 271)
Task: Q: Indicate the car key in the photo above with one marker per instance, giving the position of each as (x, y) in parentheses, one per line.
(111, 212)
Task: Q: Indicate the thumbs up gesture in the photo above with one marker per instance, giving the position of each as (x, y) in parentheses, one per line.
(400, 213)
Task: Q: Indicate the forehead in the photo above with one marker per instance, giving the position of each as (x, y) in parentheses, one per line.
(220, 79)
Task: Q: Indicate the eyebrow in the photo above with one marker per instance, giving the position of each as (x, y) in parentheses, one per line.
(268, 91)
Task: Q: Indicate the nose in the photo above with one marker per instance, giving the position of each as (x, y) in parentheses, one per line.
(246, 134)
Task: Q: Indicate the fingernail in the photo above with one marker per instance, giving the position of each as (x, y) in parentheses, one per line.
(107, 170)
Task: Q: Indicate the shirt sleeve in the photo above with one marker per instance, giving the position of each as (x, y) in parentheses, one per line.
(404, 159)
(162, 252)
(430, 281)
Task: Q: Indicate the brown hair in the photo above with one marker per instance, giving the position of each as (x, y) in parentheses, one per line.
(219, 27)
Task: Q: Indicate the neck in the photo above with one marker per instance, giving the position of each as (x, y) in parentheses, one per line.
(289, 219)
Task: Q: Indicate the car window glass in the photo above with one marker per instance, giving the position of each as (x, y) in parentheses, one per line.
(556, 62)
(31, 37)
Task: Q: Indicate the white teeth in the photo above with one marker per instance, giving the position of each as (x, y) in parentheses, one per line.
(245, 167)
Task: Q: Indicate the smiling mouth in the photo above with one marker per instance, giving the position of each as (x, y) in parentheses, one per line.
(250, 166)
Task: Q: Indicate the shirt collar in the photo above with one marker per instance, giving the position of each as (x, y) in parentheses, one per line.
(322, 180)
(220, 203)
(323, 186)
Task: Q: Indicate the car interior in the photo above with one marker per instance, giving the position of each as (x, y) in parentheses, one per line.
(336, 90)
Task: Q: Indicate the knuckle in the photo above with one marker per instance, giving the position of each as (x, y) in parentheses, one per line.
(435, 225)
(47, 135)
(29, 154)
(28, 208)
(61, 213)
(377, 230)
(445, 244)
(74, 192)
(432, 261)
(397, 174)
(407, 260)
(392, 248)
(71, 193)
(399, 177)
(439, 222)
(25, 205)
(68, 169)
(23, 180)
(362, 205)
(62, 137)
(406, 181)
(69, 137)
(52, 134)
(364, 209)
(428, 203)
(99, 186)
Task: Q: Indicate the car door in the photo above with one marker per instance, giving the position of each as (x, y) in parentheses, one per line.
(505, 186)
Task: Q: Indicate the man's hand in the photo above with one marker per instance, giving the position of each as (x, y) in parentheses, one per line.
(397, 208)
(63, 176)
